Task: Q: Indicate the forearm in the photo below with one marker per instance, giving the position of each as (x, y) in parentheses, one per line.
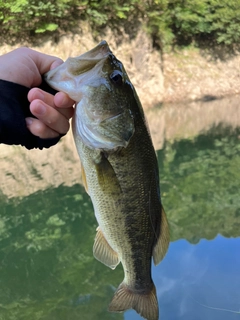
(14, 108)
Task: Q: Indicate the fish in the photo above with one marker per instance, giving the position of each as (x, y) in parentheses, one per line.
(119, 171)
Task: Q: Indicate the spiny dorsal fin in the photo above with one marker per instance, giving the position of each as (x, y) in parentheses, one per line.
(103, 252)
(145, 304)
(161, 247)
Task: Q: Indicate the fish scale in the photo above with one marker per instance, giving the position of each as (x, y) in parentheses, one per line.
(120, 173)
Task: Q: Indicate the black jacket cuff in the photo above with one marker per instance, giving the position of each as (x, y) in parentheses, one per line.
(14, 108)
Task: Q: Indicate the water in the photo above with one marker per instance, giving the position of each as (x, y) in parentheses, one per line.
(47, 225)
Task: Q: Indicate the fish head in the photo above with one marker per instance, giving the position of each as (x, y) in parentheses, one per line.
(74, 74)
(99, 84)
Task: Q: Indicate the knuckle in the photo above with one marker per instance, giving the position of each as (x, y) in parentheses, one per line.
(24, 50)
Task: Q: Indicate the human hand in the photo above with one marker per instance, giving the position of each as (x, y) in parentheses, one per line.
(52, 112)
(26, 67)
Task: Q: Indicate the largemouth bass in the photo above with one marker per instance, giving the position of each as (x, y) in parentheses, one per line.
(120, 173)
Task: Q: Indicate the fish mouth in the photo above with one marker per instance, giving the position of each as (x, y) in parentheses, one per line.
(99, 52)
(88, 60)
(71, 73)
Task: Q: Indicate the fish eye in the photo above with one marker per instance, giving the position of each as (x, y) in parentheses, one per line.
(116, 78)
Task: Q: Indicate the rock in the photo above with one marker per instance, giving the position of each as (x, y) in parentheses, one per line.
(185, 75)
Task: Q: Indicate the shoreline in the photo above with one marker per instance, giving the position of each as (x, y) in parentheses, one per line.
(183, 76)
(193, 75)
(28, 171)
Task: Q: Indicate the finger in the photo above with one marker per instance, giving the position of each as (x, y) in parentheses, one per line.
(44, 62)
(49, 116)
(56, 63)
(66, 112)
(64, 103)
(39, 129)
(62, 100)
(39, 94)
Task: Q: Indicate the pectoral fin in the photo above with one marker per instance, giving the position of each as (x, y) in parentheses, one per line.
(103, 252)
(161, 246)
(84, 179)
(107, 179)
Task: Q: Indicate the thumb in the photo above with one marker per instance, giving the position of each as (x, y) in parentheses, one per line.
(44, 62)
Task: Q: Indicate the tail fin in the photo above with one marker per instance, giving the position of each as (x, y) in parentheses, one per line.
(145, 304)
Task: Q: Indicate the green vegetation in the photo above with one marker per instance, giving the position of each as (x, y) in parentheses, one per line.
(169, 22)
(47, 267)
(200, 183)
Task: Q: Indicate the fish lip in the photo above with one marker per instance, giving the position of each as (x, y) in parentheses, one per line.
(101, 50)
(88, 61)
(99, 53)
(73, 70)
(94, 57)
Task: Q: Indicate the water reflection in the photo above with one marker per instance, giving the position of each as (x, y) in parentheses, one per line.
(47, 267)
(47, 228)
(195, 279)
(200, 181)
(27, 171)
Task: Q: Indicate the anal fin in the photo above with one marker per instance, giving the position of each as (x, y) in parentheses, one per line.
(103, 252)
(161, 246)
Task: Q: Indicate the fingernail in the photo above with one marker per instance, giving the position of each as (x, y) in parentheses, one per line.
(41, 96)
(40, 109)
(29, 121)
(60, 99)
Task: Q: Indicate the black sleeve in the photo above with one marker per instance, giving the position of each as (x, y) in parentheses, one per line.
(14, 108)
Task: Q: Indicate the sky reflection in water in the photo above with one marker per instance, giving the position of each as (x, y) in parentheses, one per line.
(194, 277)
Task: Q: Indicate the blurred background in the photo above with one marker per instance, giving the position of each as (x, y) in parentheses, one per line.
(183, 58)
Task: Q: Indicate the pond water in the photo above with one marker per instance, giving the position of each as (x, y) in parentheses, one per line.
(47, 225)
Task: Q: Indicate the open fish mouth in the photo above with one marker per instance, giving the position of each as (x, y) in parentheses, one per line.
(76, 71)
